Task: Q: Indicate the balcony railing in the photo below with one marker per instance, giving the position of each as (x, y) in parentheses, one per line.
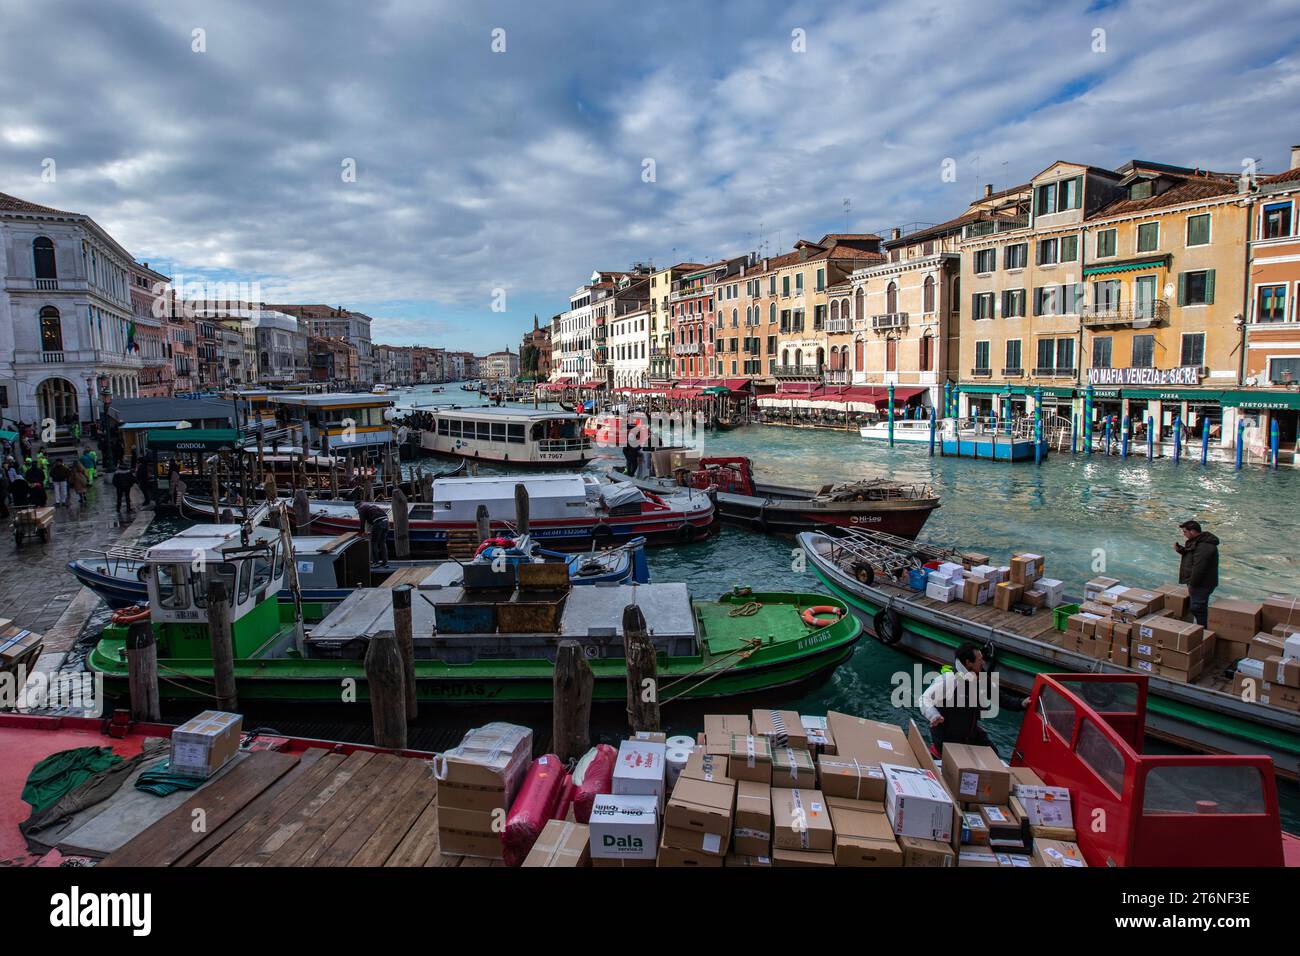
(836, 325)
(839, 376)
(1138, 316)
(687, 348)
(47, 284)
(981, 373)
(798, 371)
(862, 324)
(1052, 372)
(890, 320)
(1012, 372)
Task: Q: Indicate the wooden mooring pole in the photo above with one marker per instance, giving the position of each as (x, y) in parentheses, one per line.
(642, 672)
(223, 650)
(521, 509)
(142, 671)
(301, 512)
(401, 526)
(482, 523)
(387, 691)
(571, 713)
(406, 646)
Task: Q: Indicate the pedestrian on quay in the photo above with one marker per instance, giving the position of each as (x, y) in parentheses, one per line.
(144, 479)
(630, 455)
(374, 519)
(952, 703)
(76, 432)
(122, 483)
(36, 495)
(59, 475)
(44, 464)
(88, 462)
(4, 493)
(78, 480)
(119, 449)
(1198, 568)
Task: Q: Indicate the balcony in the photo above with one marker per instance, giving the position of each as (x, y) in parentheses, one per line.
(1050, 372)
(836, 325)
(839, 376)
(807, 372)
(687, 348)
(981, 373)
(47, 284)
(1013, 373)
(862, 324)
(1152, 313)
(890, 320)
(78, 357)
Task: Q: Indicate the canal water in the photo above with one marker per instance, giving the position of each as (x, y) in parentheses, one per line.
(1086, 515)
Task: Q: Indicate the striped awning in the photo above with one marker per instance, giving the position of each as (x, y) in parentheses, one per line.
(1128, 265)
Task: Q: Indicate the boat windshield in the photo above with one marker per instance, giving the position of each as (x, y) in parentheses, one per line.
(225, 571)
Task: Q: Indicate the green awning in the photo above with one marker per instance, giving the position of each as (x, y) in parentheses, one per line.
(1057, 391)
(1128, 265)
(193, 439)
(8, 436)
(1264, 400)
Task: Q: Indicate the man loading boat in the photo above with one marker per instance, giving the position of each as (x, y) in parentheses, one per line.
(952, 704)
(374, 520)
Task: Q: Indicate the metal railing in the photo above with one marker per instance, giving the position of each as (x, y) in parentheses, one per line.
(837, 325)
(1013, 372)
(890, 320)
(47, 284)
(798, 371)
(1052, 372)
(563, 444)
(981, 373)
(839, 376)
(1140, 315)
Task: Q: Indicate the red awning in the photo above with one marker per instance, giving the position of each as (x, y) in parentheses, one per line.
(684, 392)
(736, 384)
(802, 389)
(592, 383)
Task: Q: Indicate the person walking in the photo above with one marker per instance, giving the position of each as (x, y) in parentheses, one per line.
(122, 483)
(59, 475)
(78, 480)
(1198, 568)
(88, 462)
(144, 480)
(4, 493)
(374, 519)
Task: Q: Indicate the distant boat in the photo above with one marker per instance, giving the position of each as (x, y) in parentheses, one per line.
(905, 430)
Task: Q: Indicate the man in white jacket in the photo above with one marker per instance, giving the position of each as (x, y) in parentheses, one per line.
(952, 704)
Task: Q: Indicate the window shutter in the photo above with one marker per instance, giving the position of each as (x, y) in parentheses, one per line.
(1209, 287)
(1182, 288)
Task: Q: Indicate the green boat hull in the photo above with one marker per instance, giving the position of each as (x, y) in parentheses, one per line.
(779, 661)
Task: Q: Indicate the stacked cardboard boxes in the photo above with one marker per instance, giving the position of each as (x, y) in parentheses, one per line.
(698, 822)
(562, 843)
(477, 782)
(802, 831)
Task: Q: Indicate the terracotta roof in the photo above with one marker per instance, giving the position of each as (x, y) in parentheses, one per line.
(846, 236)
(1290, 176)
(1186, 189)
(14, 204)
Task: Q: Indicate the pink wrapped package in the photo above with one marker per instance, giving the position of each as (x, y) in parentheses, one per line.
(535, 804)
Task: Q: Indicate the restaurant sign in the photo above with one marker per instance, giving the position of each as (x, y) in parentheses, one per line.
(1186, 375)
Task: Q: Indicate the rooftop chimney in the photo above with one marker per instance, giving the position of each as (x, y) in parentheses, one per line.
(988, 190)
(896, 233)
(1295, 157)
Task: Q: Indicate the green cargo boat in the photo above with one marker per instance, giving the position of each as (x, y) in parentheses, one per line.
(478, 636)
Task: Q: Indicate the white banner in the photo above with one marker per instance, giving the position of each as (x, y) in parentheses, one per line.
(1186, 375)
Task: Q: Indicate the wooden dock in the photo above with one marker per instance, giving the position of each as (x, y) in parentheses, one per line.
(315, 808)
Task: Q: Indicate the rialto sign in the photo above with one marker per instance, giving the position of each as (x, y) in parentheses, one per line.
(1185, 375)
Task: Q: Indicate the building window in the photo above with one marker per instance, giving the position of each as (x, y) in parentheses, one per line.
(1271, 304)
(1196, 288)
(1059, 196)
(891, 298)
(986, 260)
(1144, 351)
(1101, 352)
(798, 283)
(1148, 237)
(1015, 257)
(956, 296)
(1013, 303)
(43, 258)
(1105, 243)
(1046, 355)
(859, 302)
(982, 305)
(1048, 252)
(982, 356)
(785, 287)
(1013, 355)
(1106, 296)
(1193, 349)
(51, 330)
(927, 353)
(771, 312)
(927, 295)
(1069, 248)
(1047, 300)
(1276, 221)
(1064, 355)
(1198, 230)
(821, 279)
(1284, 371)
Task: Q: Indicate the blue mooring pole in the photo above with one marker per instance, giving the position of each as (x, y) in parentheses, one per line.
(1273, 441)
(1038, 425)
(1151, 438)
(947, 399)
(1087, 420)
(933, 417)
(1123, 438)
(1241, 428)
(891, 414)
(1074, 436)
(1107, 436)
(1205, 440)
(1178, 438)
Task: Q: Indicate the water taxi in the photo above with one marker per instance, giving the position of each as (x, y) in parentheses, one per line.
(868, 571)
(379, 389)
(905, 430)
(342, 422)
(471, 643)
(566, 512)
(519, 436)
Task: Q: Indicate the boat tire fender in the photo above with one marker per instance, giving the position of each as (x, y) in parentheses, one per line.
(888, 626)
(601, 532)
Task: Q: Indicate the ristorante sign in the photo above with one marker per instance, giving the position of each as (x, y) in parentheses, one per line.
(1186, 375)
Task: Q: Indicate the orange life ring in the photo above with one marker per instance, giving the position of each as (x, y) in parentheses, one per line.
(812, 620)
(131, 615)
(494, 543)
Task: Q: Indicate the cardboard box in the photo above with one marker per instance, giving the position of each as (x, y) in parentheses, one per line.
(484, 771)
(919, 852)
(1167, 633)
(1035, 597)
(944, 593)
(1177, 599)
(976, 590)
(750, 758)
(975, 774)
(818, 731)
(674, 853)
(1264, 645)
(976, 856)
(783, 727)
(204, 744)
(1006, 594)
(1026, 567)
(561, 844)
(620, 862)
(870, 741)
(793, 768)
(1096, 586)
(702, 806)
(720, 728)
(1056, 853)
(785, 857)
(1279, 610)
(1235, 620)
(624, 826)
(863, 836)
(974, 559)
(1053, 588)
(1283, 670)
(485, 846)
(801, 821)
(640, 769)
(1001, 822)
(752, 835)
(974, 831)
(850, 778)
(740, 860)
(705, 766)
(1149, 602)
(917, 803)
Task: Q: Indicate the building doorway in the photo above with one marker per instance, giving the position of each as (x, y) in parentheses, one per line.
(56, 398)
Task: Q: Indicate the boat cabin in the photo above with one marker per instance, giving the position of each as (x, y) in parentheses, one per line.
(518, 435)
(339, 423)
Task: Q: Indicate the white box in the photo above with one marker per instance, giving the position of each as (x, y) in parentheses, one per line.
(640, 769)
(1055, 590)
(1249, 667)
(916, 803)
(1045, 806)
(952, 572)
(1116, 591)
(940, 592)
(624, 827)
(1291, 646)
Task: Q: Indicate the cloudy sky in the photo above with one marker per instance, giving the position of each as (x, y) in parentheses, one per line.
(519, 146)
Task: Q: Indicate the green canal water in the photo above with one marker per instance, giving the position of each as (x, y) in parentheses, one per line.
(1087, 515)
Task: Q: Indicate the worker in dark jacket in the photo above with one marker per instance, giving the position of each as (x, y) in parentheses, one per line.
(374, 519)
(1198, 568)
(122, 483)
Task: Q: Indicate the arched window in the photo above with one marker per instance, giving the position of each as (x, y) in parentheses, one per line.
(43, 258)
(927, 300)
(735, 317)
(835, 310)
(51, 330)
(785, 357)
(860, 303)
(891, 298)
(798, 358)
(927, 352)
(771, 312)
(821, 357)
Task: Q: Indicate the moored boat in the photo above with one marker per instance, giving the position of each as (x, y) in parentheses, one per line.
(868, 572)
(517, 436)
(905, 430)
(894, 507)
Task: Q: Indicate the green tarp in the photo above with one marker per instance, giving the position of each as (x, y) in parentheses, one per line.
(59, 773)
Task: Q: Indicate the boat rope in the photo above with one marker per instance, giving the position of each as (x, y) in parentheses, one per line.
(748, 609)
(743, 652)
(187, 687)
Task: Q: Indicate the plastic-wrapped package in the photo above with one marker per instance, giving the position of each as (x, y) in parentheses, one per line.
(538, 797)
(593, 776)
(567, 794)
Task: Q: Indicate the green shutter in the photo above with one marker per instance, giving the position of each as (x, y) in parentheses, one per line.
(1209, 287)
(1182, 288)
